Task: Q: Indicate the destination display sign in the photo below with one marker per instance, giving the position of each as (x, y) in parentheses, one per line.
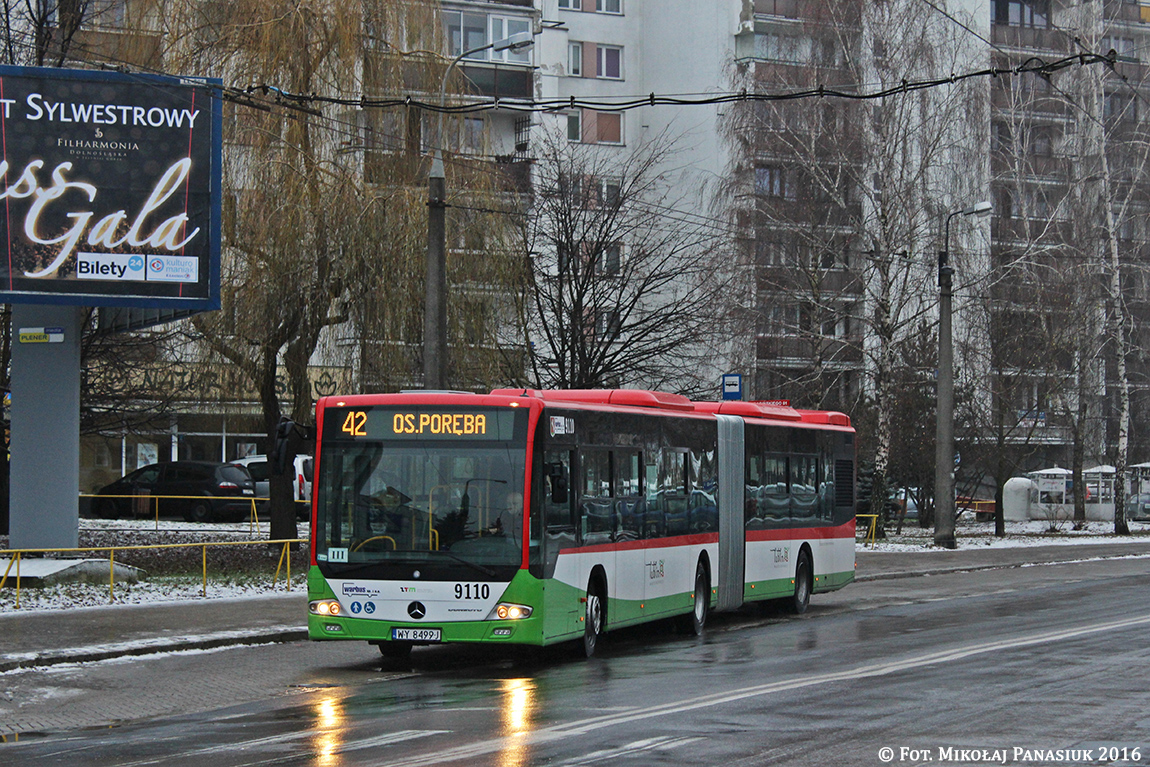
(110, 186)
(378, 423)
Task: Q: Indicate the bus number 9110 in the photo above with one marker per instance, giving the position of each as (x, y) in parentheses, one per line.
(472, 591)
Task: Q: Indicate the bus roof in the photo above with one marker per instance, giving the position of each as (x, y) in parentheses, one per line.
(677, 402)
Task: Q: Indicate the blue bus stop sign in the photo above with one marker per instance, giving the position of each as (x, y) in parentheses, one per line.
(732, 386)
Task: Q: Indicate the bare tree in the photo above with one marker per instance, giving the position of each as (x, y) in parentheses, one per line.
(624, 290)
(852, 193)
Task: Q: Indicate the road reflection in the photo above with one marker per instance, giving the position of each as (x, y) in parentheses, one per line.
(329, 725)
(518, 714)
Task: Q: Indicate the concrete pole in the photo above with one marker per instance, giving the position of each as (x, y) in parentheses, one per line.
(435, 302)
(944, 432)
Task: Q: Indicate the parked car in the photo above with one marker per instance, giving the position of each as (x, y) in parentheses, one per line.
(201, 491)
(1138, 507)
(260, 470)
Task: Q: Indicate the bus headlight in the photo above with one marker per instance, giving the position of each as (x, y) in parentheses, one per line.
(505, 611)
(327, 607)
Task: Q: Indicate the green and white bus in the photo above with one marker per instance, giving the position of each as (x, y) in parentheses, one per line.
(537, 517)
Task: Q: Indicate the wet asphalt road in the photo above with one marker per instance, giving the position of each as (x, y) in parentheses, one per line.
(1000, 666)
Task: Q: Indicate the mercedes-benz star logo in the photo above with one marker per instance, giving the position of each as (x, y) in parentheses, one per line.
(416, 610)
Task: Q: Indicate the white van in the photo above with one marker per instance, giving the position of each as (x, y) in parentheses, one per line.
(258, 467)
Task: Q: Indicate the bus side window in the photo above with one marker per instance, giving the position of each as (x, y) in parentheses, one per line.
(629, 502)
(596, 505)
(557, 495)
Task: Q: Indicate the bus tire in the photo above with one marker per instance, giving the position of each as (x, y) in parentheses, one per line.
(695, 622)
(804, 583)
(593, 619)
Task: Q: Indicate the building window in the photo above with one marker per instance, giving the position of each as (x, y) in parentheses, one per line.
(600, 127)
(575, 59)
(569, 5)
(503, 27)
(608, 324)
(608, 261)
(609, 6)
(1023, 13)
(781, 320)
(1119, 106)
(574, 126)
(472, 140)
(467, 31)
(774, 47)
(1042, 140)
(612, 259)
(609, 62)
(522, 137)
(773, 181)
(1123, 46)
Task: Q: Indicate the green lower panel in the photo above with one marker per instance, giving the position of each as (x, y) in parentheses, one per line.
(770, 589)
(833, 581)
(779, 588)
(523, 589)
(627, 612)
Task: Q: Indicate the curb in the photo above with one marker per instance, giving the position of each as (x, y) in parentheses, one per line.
(979, 568)
(57, 658)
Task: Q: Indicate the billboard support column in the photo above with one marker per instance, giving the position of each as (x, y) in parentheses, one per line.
(45, 436)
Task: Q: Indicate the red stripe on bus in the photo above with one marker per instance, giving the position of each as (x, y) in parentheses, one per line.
(647, 543)
(788, 533)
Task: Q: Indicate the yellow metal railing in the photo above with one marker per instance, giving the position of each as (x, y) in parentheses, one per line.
(17, 554)
(254, 517)
(872, 529)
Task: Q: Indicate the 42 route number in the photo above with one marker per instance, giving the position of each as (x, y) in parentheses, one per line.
(472, 591)
(355, 424)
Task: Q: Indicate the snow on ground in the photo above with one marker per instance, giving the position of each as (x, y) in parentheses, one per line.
(971, 534)
(129, 532)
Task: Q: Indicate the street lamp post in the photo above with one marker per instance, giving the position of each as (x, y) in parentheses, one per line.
(944, 434)
(435, 296)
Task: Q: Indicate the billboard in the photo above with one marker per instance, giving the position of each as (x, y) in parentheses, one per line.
(109, 189)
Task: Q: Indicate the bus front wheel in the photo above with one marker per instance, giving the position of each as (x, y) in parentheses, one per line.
(593, 620)
(804, 583)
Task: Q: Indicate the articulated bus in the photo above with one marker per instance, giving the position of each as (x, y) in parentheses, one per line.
(537, 517)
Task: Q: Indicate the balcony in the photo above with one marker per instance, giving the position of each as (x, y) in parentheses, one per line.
(1031, 39)
(500, 80)
(840, 13)
(133, 47)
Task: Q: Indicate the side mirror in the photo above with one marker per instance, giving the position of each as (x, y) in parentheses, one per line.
(557, 474)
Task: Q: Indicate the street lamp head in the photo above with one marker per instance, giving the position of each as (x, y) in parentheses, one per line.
(516, 42)
(978, 209)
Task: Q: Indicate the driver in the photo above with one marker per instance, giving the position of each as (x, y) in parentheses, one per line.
(394, 513)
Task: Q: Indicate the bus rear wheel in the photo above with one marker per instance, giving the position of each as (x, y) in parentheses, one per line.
(804, 583)
(593, 621)
(695, 621)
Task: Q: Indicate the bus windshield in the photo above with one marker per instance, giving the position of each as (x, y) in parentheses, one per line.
(431, 504)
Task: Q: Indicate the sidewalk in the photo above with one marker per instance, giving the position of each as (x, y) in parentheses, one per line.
(98, 633)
